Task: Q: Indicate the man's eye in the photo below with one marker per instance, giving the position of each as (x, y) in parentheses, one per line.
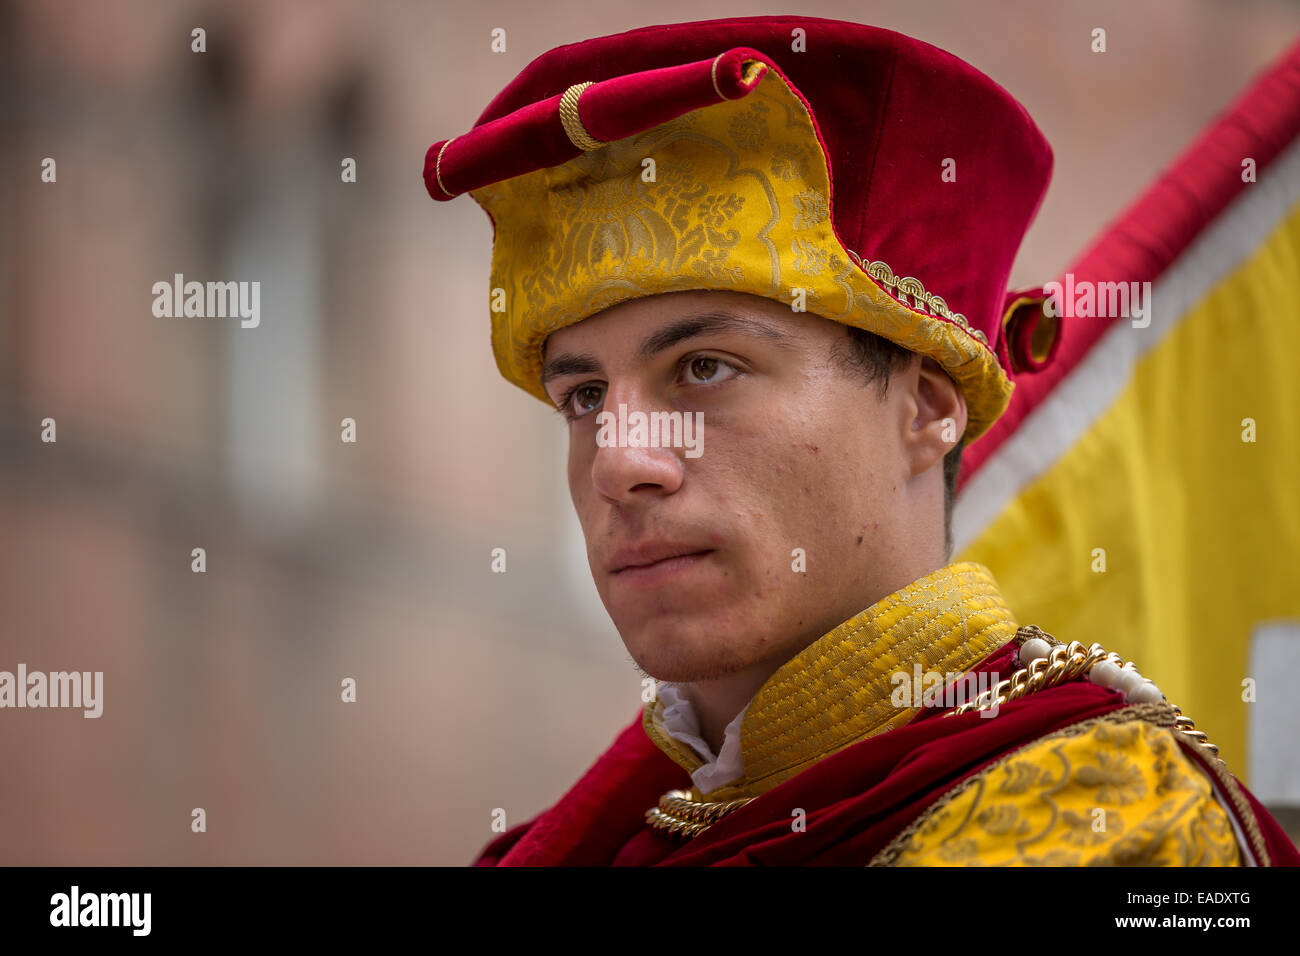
(583, 399)
(705, 370)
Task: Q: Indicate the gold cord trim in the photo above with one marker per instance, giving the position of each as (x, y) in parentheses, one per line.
(922, 301)
(1228, 784)
(437, 168)
(750, 71)
(1064, 663)
(713, 73)
(1161, 714)
(573, 127)
(679, 816)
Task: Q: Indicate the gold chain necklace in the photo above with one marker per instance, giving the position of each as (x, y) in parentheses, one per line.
(677, 815)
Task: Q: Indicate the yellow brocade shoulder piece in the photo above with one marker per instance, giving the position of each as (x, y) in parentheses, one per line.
(840, 689)
(1100, 793)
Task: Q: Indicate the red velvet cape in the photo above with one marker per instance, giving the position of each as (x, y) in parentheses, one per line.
(856, 800)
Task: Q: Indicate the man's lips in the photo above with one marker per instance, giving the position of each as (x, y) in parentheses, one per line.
(646, 555)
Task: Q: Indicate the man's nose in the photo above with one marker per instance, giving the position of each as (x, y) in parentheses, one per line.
(625, 472)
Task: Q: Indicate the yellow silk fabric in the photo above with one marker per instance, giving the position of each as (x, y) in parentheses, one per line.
(1118, 794)
(1198, 527)
(738, 199)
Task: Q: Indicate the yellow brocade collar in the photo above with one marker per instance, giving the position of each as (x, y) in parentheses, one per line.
(839, 689)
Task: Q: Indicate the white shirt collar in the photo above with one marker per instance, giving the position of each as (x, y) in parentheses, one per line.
(681, 723)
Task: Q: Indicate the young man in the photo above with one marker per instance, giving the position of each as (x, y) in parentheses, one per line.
(759, 265)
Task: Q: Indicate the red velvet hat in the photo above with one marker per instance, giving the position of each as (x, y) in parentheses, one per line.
(840, 168)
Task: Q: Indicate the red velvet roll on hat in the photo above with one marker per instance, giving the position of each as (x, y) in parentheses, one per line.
(851, 171)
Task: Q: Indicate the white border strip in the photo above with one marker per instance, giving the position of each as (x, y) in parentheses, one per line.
(1096, 383)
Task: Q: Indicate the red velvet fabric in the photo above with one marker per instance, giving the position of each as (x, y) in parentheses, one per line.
(499, 146)
(893, 113)
(856, 800)
(533, 136)
(1018, 329)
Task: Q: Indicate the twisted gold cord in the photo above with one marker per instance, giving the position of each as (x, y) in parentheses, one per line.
(1063, 663)
(572, 122)
(680, 816)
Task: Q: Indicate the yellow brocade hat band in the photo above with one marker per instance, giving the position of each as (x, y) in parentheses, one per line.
(737, 195)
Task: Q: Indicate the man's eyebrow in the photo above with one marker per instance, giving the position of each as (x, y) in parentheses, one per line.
(709, 323)
(679, 330)
(569, 365)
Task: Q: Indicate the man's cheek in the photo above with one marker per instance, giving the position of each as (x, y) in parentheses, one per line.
(579, 466)
(583, 497)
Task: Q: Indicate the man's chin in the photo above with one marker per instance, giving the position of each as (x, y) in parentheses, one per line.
(682, 658)
(690, 670)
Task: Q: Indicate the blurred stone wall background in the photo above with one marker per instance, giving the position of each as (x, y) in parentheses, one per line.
(371, 560)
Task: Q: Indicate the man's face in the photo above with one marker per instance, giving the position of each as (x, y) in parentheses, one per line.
(697, 558)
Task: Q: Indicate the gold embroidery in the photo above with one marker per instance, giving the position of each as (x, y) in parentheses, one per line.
(749, 129)
(1020, 777)
(1228, 785)
(580, 237)
(1113, 791)
(810, 209)
(572, 122)
(838, 690)
(921, 300)
(809, 258)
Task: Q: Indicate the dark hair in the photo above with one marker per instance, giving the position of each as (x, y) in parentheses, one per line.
(874, 357)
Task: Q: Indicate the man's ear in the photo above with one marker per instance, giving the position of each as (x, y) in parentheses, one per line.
(936, 413)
